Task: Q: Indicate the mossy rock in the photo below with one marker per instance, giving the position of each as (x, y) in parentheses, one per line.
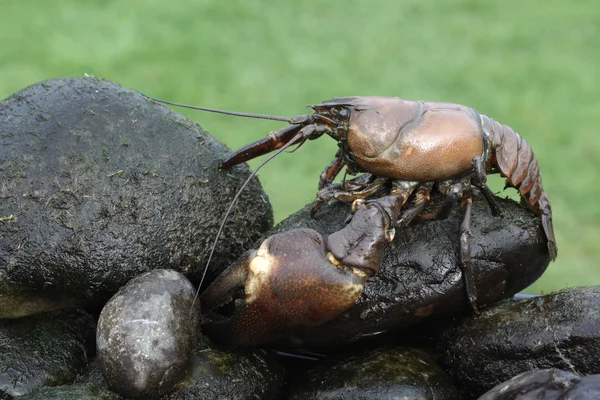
(98, 184)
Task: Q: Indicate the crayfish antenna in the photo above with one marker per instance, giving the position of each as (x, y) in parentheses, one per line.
(234, 113)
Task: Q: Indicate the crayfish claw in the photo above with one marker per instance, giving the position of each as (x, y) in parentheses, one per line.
(273, 141)
(298, 279)
(289, 284)
(219, 297)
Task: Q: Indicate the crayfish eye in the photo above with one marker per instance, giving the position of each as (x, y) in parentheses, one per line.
(343, 113)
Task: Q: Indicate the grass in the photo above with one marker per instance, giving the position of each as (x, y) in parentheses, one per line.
(533, 65)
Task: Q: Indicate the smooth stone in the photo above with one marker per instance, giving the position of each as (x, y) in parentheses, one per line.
(420, 275)
(383, 373)
(546, 384)
(146, 333)
(559, 330)
(44, 350)
(98, 184)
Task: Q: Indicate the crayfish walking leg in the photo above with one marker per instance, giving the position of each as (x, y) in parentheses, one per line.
(465, 251)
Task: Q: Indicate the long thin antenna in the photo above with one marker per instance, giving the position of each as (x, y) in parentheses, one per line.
(215, 110)
(294, 140)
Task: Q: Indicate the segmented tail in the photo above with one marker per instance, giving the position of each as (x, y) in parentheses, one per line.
(515, 160)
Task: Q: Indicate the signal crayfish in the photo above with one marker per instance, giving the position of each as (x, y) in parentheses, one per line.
(407, 151)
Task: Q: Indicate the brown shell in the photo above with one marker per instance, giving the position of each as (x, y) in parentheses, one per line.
(522, 171)
(413, 140)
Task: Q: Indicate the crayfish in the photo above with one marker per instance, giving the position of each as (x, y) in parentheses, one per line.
(408, 148)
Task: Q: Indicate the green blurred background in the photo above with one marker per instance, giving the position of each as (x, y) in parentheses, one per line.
(533, 65)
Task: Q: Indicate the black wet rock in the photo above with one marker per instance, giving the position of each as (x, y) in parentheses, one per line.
(215, 373)
(383, 373)
(420, 273)
(44, 350)
(89, 385)
(546, 384)
(99, 184)
(559, 330)
(72, 392)
(146, 332)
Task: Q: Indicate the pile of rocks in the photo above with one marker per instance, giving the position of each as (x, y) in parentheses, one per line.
(108, 207)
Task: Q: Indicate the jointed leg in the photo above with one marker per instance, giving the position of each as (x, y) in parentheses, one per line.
(452, 191)
(361, 243)
(479, 179)
(399, 193)
(274, 140)
(465, 250)
(422, 198)
(332, 170)
(347, 192)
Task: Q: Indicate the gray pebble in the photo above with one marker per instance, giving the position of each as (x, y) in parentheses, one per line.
(146, 333)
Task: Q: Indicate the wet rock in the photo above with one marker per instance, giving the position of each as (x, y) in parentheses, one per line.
(89, 385)
(146, 332)
(219, 373)
(546, 384)
(72, 392)
(99, 184)
(560, 330)
(384, 373)
(213, 373)
(420, 273)
(43, 350)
